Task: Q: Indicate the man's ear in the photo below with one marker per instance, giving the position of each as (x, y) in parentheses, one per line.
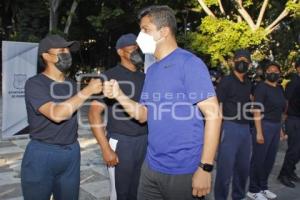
(165, 31)
(120, 52)
(47, 57)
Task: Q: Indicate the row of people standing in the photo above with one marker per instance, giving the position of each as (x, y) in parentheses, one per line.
(265, 107)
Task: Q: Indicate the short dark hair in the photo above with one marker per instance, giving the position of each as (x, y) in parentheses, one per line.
(161, 16)
(271, 63)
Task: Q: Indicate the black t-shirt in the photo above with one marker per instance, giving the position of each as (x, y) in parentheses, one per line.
(40, 90)
(272, 99)
(292, 94)
(131, 83)
(234, 97)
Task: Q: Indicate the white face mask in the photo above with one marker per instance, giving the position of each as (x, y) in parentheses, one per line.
(146, 43)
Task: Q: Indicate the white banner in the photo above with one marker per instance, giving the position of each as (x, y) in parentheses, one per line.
(19, 62)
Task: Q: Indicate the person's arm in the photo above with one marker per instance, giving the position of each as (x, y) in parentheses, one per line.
(258, 108)
(257, 122)
(96, 123)
(59, 112)
(283, 133)
(211, 111)
(135, 110)
(196, 80)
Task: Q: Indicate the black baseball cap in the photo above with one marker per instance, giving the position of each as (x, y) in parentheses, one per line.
(56, 41)
(126, 40)
(242, 53)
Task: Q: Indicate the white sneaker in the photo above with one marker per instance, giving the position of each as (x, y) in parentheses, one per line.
(268, 194)
(256, 196)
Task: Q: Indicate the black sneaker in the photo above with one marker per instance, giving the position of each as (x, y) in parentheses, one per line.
(286, 181)
(294, 177)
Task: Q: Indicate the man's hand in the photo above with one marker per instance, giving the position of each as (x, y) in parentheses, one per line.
(110, 157)
(260, 138)
(201, 183)
(94, 86)
(283, 135)
(111, 89)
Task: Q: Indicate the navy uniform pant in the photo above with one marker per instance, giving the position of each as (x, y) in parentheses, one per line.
(263, 156)
(50, 169)
(233, 161)
(131, 153)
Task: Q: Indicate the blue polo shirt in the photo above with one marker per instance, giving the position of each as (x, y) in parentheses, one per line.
(172, 88)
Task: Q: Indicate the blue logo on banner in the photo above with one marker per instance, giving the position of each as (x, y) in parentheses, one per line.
(19, 81)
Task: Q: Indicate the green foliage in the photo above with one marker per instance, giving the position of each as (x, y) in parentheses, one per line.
(247, 3)
(32, 18)
(106, 15)
(293, 7)
(104, 21)
(211, 2)
(220, 37)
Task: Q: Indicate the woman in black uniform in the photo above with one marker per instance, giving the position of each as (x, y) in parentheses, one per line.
(269, 107)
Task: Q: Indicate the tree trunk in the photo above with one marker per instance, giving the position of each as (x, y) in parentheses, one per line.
(221, 7)
(206, 9)
(261, 13)
(69, 20)
(54, 4)
(243, 12)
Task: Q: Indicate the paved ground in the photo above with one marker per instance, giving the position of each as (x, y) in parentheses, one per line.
(94, 178)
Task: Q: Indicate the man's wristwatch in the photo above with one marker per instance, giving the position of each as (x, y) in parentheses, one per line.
(206, 167)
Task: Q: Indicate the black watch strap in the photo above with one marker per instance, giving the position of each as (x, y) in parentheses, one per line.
(206, 167)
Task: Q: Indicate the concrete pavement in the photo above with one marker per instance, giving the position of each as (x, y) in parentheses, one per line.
(94, 177)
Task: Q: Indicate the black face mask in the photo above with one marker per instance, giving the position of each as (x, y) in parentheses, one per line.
(241, 66)
(137, 59)
(64, 62)
(272, 77)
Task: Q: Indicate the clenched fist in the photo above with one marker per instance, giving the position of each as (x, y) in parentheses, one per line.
(95, 86)
(111, 89)
(110, 157)
(201, 183)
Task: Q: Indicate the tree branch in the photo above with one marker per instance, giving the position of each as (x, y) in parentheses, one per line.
(221, 7)
(206, 9)
(261, 13)
(282, 15)
(243, 12)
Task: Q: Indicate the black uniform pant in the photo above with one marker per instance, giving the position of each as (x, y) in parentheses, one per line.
(292, 155)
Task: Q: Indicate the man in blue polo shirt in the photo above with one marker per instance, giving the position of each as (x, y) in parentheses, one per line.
(177, 94)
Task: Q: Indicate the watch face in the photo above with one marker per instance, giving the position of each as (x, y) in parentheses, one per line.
(207, 167)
